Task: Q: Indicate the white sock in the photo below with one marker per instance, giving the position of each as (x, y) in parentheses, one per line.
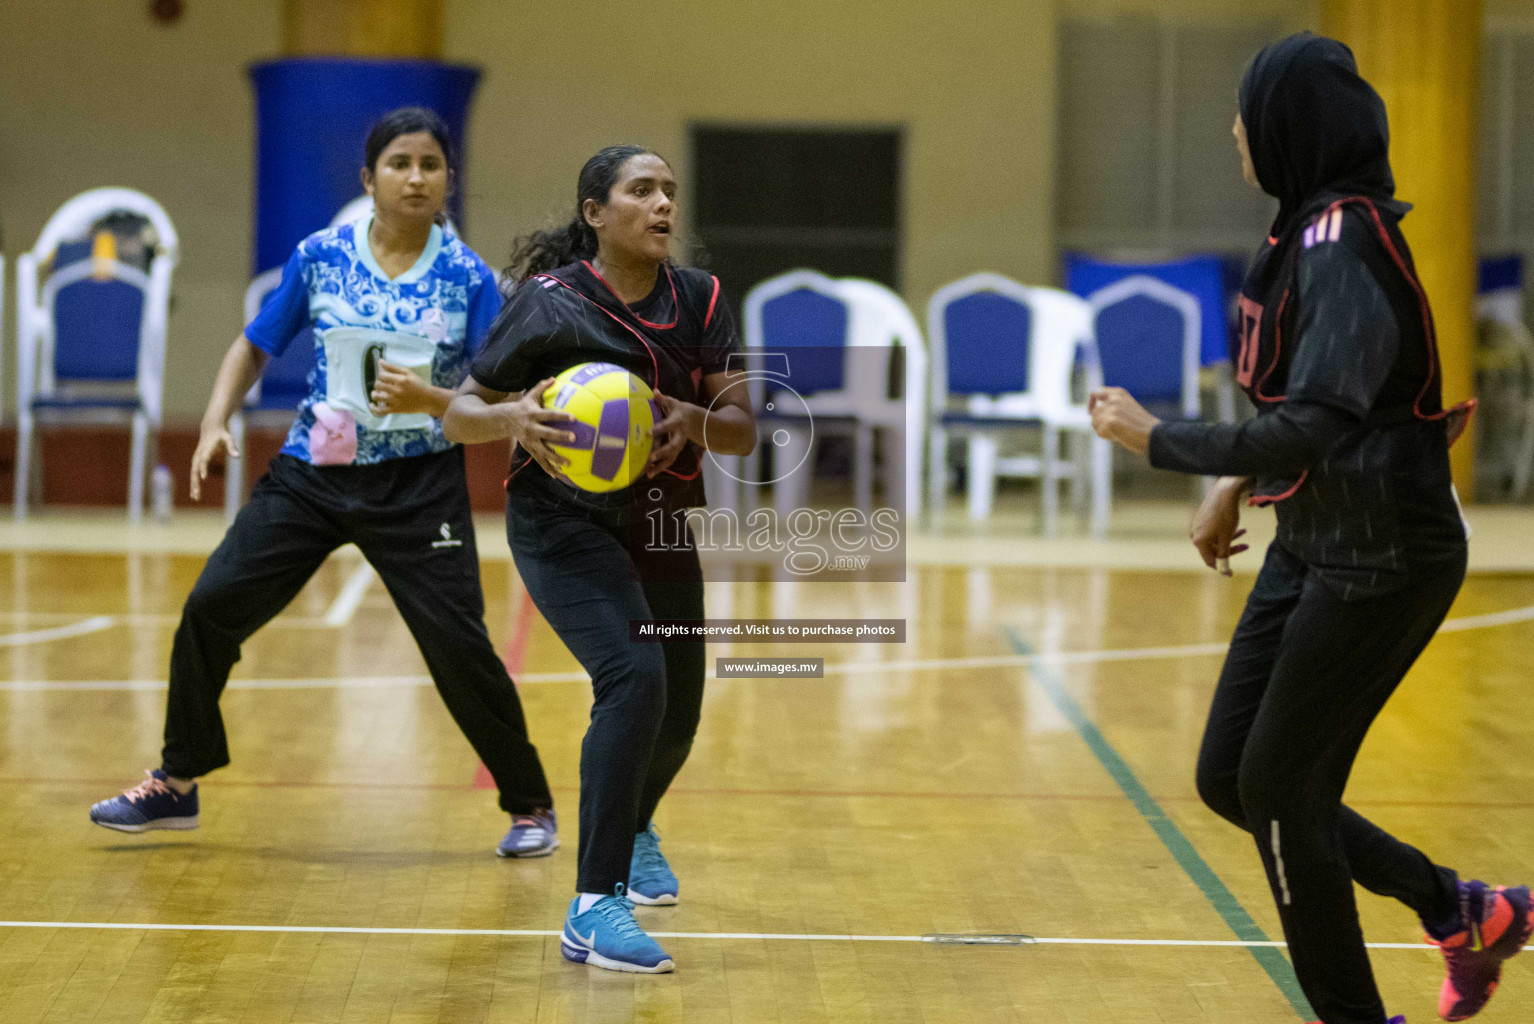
(587, 901)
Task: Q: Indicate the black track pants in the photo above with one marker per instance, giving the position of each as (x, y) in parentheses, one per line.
(1306, 675)
(648, 696)
(412, 520)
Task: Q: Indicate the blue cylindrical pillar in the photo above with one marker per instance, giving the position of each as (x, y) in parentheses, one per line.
(312, 119)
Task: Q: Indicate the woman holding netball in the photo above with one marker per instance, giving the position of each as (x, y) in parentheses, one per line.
(1351, 447)
(397, 308)
(603, 289)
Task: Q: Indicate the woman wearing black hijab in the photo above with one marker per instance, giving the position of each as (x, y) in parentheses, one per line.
(1351, 447)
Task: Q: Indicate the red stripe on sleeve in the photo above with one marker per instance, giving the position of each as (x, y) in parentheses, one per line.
(711, 300)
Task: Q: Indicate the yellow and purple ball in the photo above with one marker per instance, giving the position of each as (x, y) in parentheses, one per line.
(615, 416)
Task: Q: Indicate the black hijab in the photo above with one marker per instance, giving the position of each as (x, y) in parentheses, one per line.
(1314, 126)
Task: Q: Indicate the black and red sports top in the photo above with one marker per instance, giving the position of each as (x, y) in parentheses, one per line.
(679, 333)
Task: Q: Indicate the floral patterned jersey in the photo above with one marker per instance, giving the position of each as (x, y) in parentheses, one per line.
(448, 297)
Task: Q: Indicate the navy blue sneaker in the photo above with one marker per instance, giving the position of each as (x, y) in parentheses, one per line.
(607, 936)
(149, 805)
(531, 835)
(651, 881)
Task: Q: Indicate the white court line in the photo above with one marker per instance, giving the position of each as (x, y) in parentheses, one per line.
(155, 619)
(1506, 618)
(318, 683)
(314, 683)
(722, 936)
(94, 624)
(1503, 618)
(351, 595)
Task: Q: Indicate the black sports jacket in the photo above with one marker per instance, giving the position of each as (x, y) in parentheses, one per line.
(1338, 353)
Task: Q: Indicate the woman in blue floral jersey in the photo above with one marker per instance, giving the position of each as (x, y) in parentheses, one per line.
(397, 307)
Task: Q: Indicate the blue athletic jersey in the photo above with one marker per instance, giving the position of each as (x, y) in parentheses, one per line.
(332, 280)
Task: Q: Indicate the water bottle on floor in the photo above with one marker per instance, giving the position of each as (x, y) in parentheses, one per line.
(161, 489)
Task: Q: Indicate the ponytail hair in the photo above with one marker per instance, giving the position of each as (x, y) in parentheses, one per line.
(543, 251)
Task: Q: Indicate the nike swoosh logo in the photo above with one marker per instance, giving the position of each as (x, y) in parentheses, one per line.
(589, 943)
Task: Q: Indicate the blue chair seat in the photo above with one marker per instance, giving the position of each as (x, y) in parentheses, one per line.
(969, 419)
(85, 402)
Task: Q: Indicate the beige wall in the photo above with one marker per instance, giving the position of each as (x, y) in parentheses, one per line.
(971, 82)
(1297, 13)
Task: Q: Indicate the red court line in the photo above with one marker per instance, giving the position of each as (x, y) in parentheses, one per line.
(806, 794)
(516, 655)
(521, 628)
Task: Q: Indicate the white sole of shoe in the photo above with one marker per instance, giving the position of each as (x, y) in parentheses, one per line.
(665, 900)
(174, 824)
(526, 856)
(596, 959)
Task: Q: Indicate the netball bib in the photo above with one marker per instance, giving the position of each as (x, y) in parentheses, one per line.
(352, 355)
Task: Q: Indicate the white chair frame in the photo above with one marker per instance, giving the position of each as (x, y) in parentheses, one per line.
(35, 337)
(859, 408)
(882, 318)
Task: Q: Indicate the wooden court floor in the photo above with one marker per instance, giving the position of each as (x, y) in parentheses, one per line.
(1022, 766)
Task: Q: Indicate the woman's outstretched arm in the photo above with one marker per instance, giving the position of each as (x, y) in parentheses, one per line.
(1289, 441)
(240, 369)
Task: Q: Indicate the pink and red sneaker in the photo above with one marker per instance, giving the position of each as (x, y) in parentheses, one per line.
(1498, 924)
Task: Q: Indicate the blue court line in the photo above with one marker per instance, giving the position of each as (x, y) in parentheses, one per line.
(1183, 852)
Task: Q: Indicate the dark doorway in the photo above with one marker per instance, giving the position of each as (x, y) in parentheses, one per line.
(768, 200)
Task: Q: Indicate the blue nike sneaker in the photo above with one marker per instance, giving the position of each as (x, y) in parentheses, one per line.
(531, 835)
(651, 881)
(607, 936)
(149, 805)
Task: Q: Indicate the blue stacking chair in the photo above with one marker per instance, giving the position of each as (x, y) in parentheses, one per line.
(1002, 361)
(90, 332)
(1157, 325)
(837, 358)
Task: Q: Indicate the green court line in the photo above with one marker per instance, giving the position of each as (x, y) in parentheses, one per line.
(1194, 866)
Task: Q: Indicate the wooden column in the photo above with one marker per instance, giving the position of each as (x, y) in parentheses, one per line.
(363, 28)
(1423, 56)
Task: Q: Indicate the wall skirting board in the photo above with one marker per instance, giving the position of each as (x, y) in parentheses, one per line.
(88, 465)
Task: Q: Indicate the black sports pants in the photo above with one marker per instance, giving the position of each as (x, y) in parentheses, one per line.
(412, 520)
(1306, 675)
(648, 696)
